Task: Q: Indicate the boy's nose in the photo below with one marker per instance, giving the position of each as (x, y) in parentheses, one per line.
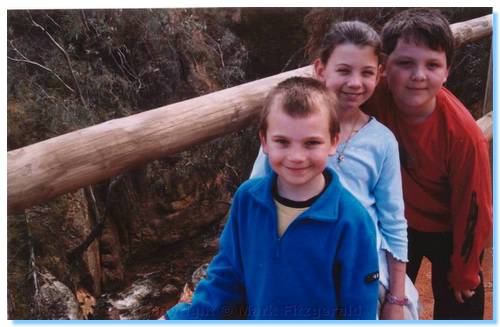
(296, 155)
(418, 74)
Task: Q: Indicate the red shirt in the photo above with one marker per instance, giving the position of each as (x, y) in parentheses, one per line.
(446, 177)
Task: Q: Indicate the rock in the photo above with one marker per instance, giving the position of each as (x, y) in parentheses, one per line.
(239, 313)
(188, 290)
(199, 274)
(55, 301)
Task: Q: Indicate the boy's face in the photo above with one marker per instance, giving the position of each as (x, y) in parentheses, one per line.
(298, 148)
(352, 72)
(415, 74)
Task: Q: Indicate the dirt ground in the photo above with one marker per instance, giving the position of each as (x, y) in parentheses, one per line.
(424, 287)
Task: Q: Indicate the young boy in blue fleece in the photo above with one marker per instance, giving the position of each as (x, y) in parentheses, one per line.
(296, 245)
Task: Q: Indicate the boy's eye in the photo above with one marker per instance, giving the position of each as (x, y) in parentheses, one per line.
(281, 141)
(312, 142)
(433, 65)
(404, 63)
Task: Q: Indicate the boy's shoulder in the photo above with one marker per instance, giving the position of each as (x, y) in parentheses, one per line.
(379, 104)
(347, 201)
(253, 187)
(353, 215)
(252, 183)
(350, 209)
(457, 117)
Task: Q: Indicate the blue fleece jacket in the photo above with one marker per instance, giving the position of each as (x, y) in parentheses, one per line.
(323, 267)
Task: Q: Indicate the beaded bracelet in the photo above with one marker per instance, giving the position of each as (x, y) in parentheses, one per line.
(395, 300)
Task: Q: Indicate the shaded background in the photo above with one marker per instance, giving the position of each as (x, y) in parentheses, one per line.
(155, 225)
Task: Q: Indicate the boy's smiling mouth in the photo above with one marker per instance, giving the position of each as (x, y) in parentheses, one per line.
(296, 169)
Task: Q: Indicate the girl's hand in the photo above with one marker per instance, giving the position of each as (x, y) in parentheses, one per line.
(392, 312)
(460, 296)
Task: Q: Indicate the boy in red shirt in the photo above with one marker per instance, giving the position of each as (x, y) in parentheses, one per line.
(444, 161)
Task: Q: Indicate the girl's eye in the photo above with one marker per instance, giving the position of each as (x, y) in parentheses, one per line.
(343, 71)
(368, 73)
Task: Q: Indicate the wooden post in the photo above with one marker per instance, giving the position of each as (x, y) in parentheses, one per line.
(488, 94)
(41, 171)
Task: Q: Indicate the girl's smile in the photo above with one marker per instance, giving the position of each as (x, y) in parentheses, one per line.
(352, 72)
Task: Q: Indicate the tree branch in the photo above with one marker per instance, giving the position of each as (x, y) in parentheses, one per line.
(66, 56)
(77, 252)
(34, 268)
(27, 61)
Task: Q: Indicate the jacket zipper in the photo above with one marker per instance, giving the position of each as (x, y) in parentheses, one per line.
(278, 243)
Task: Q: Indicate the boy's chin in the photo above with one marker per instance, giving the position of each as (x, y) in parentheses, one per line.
(416, 103)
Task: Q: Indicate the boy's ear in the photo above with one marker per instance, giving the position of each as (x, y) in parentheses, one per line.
(319, 70)
(263, 142)
(335, 143)
(383, 62)
(447, 74)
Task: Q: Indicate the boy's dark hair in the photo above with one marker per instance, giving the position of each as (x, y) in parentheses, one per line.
(419, 25)
(353, 32)
(300, 97)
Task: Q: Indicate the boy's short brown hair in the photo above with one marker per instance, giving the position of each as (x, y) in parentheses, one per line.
(300, 97)
(419, 25)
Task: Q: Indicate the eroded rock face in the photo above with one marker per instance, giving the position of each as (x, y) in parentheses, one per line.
(47, 234)
(77, 225)
(145, 298)
(56, 301)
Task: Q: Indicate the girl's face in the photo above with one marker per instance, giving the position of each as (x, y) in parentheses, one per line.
(352, 73)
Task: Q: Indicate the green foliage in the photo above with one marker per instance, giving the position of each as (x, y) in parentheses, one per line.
(20, 289)
(124, 62)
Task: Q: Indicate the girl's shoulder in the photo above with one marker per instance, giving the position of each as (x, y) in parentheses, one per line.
(376, 132)
(378, 140)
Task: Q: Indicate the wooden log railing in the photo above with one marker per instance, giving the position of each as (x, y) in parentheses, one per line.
(472, 30)
(41, 171)
(485, 123)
